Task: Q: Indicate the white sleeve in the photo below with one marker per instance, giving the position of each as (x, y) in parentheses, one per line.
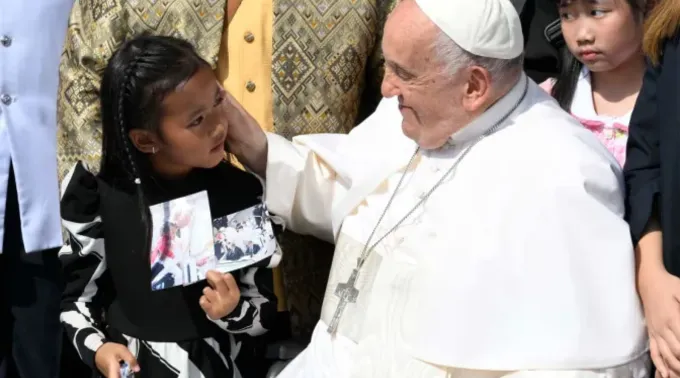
(301, 185)
(306, 176)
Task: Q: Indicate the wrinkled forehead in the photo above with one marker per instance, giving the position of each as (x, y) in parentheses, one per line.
(409, 35)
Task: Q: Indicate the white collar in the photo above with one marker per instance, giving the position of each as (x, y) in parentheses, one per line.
(582, 103)
(491, 116)
(583, 106)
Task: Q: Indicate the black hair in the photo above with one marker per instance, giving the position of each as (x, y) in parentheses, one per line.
(570, 68)
(137, 78)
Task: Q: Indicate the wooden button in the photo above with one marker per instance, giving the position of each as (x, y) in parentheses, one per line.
(250, 86)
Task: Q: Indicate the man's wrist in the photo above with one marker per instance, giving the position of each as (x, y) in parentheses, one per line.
(253, 155)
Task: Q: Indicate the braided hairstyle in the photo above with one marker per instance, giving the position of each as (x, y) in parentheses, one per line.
(138, 77)
(570, 68)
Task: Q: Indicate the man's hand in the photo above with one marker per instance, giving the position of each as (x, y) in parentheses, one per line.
(109, 356)
(221, 297)
(245, 138)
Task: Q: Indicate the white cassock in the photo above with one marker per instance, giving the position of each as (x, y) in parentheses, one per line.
(519, 265)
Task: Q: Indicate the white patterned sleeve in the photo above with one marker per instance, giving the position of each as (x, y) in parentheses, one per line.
(256, 312)
(87, 283)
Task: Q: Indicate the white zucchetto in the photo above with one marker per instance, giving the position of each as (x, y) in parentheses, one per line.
(488, 28)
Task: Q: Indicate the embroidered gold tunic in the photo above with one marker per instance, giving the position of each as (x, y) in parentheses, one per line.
(299, 66)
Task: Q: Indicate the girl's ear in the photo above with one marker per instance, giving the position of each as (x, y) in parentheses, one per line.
(144, 140)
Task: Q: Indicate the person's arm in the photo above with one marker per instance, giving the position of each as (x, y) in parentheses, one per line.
(92, 34)
(87, 281)
(245, 138)
(89, 289)
(642, 172)
(649, 251)
(658, 289)
(300, 182)
(256, 311)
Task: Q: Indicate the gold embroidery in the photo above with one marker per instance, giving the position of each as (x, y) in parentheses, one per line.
(326, 63)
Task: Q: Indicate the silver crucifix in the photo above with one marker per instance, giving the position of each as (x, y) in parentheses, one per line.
(347, 294)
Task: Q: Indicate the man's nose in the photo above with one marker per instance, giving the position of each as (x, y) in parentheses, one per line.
(388, 88)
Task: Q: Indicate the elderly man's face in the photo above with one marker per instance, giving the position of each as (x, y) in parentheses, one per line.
(430, 100)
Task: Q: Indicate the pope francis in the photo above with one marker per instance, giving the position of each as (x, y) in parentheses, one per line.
(482, 238)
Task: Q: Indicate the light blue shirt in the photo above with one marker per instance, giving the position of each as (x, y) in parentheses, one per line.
(32, 34)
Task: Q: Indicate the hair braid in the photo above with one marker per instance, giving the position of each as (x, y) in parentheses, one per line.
(125, 90)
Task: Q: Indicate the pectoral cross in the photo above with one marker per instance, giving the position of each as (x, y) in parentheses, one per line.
(347, 294)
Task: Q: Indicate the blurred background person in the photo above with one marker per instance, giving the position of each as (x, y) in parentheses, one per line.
(31, 36)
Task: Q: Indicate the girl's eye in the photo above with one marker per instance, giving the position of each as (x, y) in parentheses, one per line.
(597, 12)
(566, 15)
(196, 122)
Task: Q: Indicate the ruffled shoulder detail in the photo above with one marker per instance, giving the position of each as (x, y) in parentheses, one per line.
(547, 85)
(79, 195)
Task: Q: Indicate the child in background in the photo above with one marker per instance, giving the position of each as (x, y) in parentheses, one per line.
(602, 66)
(164, 127)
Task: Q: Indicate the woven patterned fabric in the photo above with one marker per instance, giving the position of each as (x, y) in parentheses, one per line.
(326, 63)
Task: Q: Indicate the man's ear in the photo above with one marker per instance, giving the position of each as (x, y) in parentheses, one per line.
(144, 140)
(477, 89)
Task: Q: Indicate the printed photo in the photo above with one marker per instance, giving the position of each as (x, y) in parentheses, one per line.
(181, 242)
(243, 238)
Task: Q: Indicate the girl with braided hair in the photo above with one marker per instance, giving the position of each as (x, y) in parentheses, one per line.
(164, 128)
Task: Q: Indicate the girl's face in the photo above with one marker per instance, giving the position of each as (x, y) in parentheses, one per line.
(192, 129)
(602, 34)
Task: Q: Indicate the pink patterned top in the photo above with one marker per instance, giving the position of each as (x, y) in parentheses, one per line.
(611, 131)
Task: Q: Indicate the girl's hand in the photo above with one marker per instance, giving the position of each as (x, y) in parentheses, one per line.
(660, 294)
(109, 356)
(221, 297)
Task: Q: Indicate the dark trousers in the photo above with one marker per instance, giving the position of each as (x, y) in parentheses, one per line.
(30, 292)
